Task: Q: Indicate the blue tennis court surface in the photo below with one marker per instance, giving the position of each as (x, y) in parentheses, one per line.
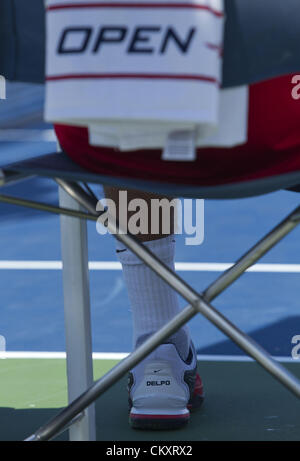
(264, 303)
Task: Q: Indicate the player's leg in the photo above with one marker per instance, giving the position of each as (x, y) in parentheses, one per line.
(162, 385)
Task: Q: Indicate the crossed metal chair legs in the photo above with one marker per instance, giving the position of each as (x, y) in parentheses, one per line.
(198, 303)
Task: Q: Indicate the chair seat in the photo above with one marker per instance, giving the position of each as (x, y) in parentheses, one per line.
(59, 165)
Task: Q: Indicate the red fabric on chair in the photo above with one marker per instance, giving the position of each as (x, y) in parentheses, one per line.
(273, 146)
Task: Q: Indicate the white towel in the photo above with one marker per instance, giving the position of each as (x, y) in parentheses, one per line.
(134, 72)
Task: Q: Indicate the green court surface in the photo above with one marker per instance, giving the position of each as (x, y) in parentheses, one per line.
(242, 403)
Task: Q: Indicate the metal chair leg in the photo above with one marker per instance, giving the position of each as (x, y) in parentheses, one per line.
(77, 314)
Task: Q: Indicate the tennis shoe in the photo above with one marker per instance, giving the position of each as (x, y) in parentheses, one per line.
(164, 389)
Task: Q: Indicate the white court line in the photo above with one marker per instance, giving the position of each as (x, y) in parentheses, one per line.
(122, 355)
(180, 266)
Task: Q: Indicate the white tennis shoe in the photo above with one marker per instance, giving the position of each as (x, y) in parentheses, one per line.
(163, 389)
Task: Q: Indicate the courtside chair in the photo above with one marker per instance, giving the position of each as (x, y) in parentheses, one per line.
(261, 41)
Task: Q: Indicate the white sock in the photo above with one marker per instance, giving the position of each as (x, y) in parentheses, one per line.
(153, 301)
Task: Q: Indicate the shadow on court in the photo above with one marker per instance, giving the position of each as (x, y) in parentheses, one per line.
(275, 338)
(242, 403)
